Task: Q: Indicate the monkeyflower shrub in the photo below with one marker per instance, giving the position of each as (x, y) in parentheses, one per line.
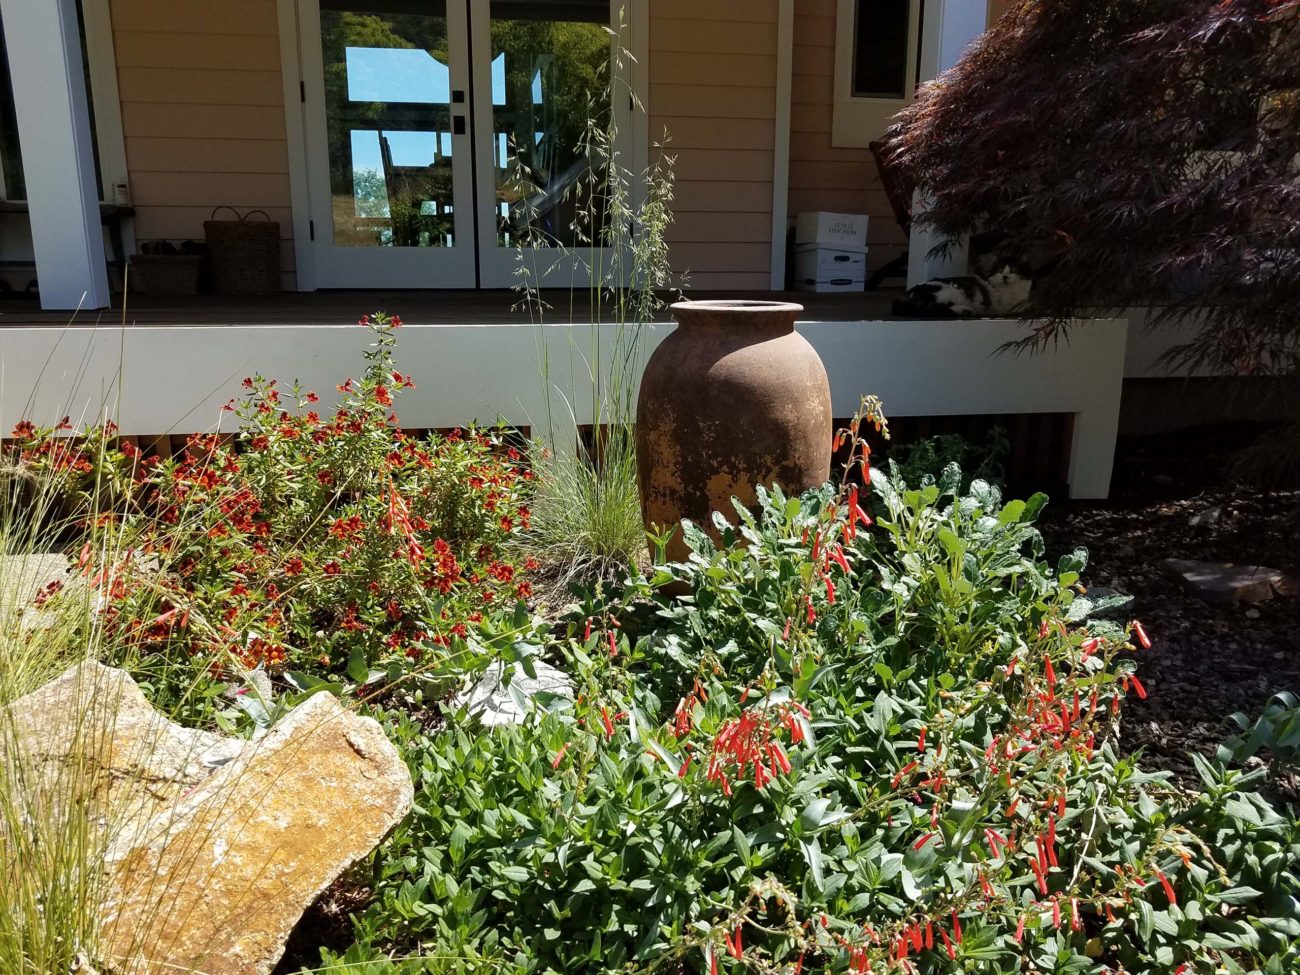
(877, 736)
(317, 541)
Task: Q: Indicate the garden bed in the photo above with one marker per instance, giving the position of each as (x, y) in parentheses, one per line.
(1173, 498)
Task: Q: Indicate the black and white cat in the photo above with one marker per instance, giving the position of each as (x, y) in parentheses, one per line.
(969, 296)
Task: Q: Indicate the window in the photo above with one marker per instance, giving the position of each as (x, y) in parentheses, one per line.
(876, 66)
(880, 48)
(12, 186)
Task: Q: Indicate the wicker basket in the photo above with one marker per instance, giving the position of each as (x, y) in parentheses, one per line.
(244, 253)
(166, 274)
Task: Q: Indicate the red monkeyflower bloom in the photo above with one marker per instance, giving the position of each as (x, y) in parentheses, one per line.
(293, 567)
(331, 568)
(364, 320)
(312, 397)
(24, 428)
(382, 396)
(395, 321)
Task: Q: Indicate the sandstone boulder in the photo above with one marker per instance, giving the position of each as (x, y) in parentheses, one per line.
(214, 847)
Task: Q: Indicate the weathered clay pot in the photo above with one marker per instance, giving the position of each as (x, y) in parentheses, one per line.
(733, 398)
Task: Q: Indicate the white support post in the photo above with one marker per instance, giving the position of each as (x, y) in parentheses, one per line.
(49, 86)
(948, 28)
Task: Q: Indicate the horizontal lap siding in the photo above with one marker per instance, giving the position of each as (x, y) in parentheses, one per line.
(712, 93)
(822, 176)
(203, 114)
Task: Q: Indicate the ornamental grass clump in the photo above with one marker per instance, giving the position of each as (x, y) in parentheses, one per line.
(877, 735)
(316, 543)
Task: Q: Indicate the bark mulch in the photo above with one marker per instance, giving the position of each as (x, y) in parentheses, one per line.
(1174, 497)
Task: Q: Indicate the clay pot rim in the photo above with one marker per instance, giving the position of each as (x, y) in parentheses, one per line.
(745, 307)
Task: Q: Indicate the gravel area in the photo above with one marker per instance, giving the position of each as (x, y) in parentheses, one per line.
(1172, 500)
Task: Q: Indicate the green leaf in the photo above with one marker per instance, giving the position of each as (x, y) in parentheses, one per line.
(812, 854)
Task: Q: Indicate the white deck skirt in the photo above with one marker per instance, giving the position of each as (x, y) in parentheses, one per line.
(174, 379)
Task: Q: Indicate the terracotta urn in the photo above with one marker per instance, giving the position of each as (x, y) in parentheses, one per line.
(732, 399)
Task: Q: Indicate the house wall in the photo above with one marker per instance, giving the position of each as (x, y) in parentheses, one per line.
(713, 90)
(203, 114)
(822, 176)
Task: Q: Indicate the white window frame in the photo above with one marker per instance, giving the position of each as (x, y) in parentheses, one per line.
(857, 120)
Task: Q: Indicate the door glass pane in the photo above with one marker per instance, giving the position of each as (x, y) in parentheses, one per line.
(388, 122)
(880, 49)
(550, 116)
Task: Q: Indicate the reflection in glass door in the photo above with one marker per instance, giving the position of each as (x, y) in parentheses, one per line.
(442, 134)
(389, 149)
(541, 135)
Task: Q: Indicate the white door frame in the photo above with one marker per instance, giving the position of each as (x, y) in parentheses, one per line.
(298, 45)
(384, 267)
(550, 267)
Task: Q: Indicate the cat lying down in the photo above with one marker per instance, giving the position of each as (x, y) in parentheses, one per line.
(968, 296)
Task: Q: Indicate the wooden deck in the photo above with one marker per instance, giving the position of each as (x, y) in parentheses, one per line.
(415, 307)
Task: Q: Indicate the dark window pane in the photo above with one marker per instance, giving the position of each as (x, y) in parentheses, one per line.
(880, 48)
(10, 158)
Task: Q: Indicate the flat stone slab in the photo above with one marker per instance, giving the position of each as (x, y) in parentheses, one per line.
(1229, 583)
(212, 847)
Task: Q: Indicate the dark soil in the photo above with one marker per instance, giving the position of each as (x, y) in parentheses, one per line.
(326, 924)
(1173, 496)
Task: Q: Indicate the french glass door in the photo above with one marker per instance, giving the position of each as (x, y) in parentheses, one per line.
(450, 140)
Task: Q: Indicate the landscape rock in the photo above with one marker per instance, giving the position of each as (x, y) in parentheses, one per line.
(493, 702)
(1227, 582)
(214, 847)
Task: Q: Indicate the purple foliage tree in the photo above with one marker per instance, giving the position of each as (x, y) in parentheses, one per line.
(1146, 151)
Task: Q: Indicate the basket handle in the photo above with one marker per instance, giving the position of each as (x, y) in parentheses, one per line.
(241, 219)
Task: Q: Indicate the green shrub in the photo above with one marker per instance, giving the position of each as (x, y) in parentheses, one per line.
(846, 748)
(331, 545)
(929, 456)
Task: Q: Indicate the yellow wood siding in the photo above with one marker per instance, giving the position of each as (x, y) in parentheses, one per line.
(203, 114)
(713, 90)
(822, 176)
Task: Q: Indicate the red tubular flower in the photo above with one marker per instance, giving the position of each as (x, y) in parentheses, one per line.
(1137, 686)
(586, 634)
(947, 944)
(830, 591)
(785, 634)
(1020, 929)
(812, 616)
(1169, 888)
(559, 756)
(902, 773)
(956, 927)
(837, 553)
(1141, 634)
(923, 840)
(609, 727)
(681, 772)
(1056, 912)
(920, 740)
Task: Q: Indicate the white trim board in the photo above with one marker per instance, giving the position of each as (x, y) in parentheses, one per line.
(175, 378)
(781, 140)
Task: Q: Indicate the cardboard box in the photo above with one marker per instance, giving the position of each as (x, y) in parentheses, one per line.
(821, 263)
(842, 231)
(847, 283)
